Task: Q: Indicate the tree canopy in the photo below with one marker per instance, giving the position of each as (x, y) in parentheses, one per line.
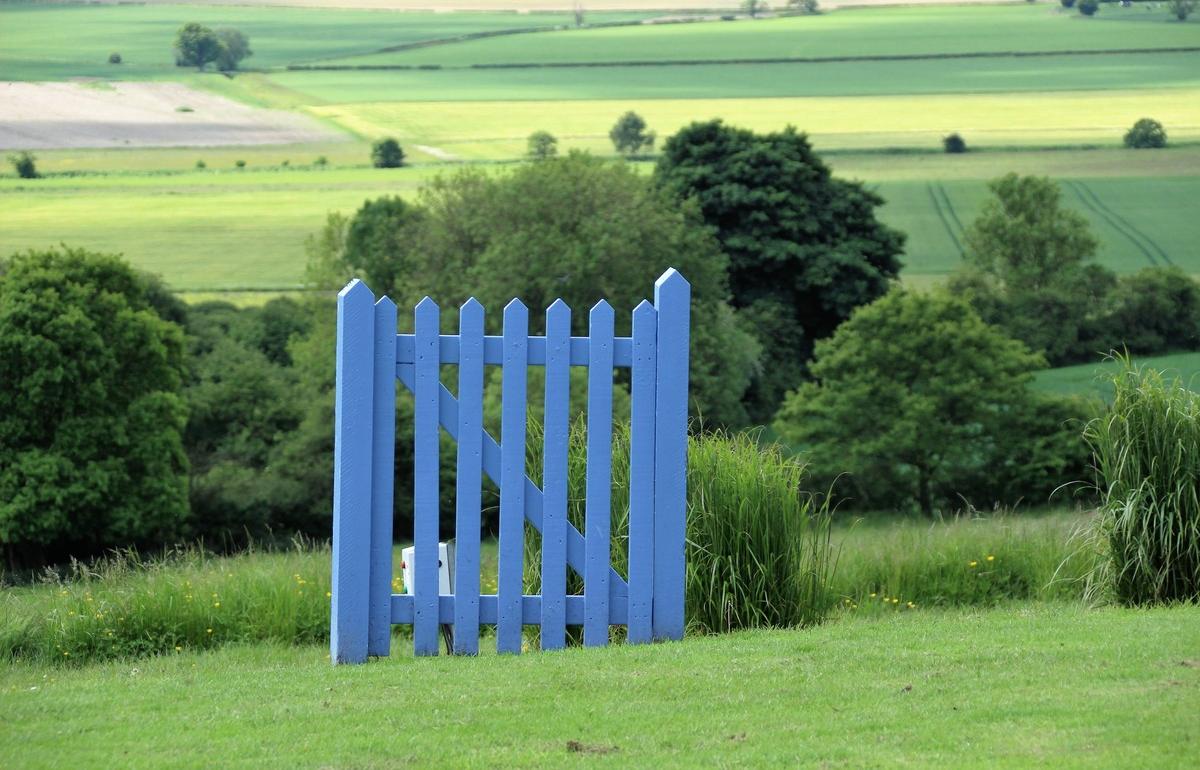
(196, 46)
(804, 248)
(91, 417)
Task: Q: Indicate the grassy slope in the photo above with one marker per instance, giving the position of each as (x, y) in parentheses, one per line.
(197, 228)
(1042, 686)
(53, 42)
(892, 31)
(1090, 379)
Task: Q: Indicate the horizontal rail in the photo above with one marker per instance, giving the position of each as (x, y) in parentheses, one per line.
(493, 354)
(531, 610)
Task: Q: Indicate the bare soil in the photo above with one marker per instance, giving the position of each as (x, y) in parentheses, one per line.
(37, 116)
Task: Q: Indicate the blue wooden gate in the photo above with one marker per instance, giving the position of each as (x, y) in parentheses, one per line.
(371, 356)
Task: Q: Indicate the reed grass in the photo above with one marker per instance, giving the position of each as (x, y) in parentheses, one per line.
(1146, 451)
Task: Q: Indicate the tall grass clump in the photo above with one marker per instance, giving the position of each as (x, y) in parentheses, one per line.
(1146, 450)
(758, 547)
(126, 606)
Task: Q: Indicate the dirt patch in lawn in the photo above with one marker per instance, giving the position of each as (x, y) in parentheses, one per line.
(37, 116)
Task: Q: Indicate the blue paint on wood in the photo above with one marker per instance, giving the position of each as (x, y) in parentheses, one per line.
(448, 415)
(352, 474)
(425, 479)
(493, 350)
(554, 475)
(512, 476)
(531, 610)
(470, 467)
(641, 472)
(383, 449)
(672, 299)
(598, 506)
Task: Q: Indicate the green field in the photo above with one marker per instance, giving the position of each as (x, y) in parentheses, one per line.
(1050, 685)
(56, 42)
(1092, 379)
(863, 32)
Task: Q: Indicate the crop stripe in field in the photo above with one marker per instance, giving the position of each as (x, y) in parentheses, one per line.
(761, 60)
(1129, 226)
(941, 188)
(937, 206)
(1081, 193)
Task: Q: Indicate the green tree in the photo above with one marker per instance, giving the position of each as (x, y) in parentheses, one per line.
(234, 48)
(91, 417)
(386, 153)
(754, 7)
(25, 164)
(629, 135)
(1181, 9)
(1155, 310)
(196, 46)
(910, 396)
(1088, 7)
(1147, 133)
(542, 145)
(805, 245)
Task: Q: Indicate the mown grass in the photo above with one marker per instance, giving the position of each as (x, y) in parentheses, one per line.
(862, 32)
(1016, 687)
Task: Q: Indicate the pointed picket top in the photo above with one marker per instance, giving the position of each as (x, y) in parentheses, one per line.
(385, 303)
(515, 309)
(356, 289)
(471, 304)
(645, 309)
(470, 314)
(427, 305)
(601, 311)
(557, 308)
(671, 282)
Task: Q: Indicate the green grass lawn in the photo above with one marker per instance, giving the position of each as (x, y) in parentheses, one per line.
(55, 42)
(1091, 379)
(1051, 685)
(862, 32)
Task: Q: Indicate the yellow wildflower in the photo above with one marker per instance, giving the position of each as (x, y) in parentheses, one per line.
(991, 558)
(973, 564)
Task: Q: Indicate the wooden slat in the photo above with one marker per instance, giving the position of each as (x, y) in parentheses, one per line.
(598, 507)
(554, 476)
(383, 471)
(425, 479)
(469, 479)
(672, 299)
(531, 610)
(352, 474)
(448, 415)
(641, 473)
(512, 477)
(493, 350)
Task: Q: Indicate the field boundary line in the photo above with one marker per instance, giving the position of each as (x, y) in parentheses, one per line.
(950, 208)
(710, 62)
(1132, 228)
(1080, 193)
(937, 206)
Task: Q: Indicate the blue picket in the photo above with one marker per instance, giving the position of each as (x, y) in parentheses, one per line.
(512, 477)
(554, 475)
(598, 506)
(353, 402)
(470, 469)
(425, 479)
(641, 473)
(672, 299)
(383, 457)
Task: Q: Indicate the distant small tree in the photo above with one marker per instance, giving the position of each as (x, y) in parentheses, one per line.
(804, 6)
(25, 164)
(114, 58)
(321, 161)
(234, 48)
(1067, 3)
(542, 145)
(1147, 133)
(1181, 9)
(386, 153)
(954, 144)
(629, 135)
(240, 163)
(754, 7)
(196, 46)
(201, 165)
(1089, 7)
(577, 8)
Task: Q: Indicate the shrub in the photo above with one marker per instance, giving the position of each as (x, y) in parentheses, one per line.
(1155, 310)
(542, 145)
(114, 58)
(1181, 9)
(1088, 7)
(386, 153)
(1067, 3)
(321, 161)
(629, 135)
(954, 144)
(1147, 133)
(1147, 458)
(240, 163)
(201, 164)
(25, 164)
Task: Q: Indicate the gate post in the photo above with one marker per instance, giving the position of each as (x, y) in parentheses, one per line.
(672, 299)
(353, 406)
